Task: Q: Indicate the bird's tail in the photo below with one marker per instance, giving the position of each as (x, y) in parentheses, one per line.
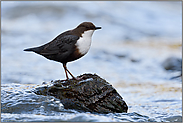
(35, 49)
(29, 49)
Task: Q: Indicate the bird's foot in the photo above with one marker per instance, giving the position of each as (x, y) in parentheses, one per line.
(78, 78)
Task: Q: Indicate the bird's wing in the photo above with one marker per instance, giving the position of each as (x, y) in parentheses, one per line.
(60, 44)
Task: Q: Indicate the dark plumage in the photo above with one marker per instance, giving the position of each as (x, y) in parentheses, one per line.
(65, 48)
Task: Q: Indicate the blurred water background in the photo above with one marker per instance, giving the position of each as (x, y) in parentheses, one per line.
(136, 38)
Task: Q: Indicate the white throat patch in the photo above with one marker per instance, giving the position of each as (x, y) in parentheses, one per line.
(84, 42)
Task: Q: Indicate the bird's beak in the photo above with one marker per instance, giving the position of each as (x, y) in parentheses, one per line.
(97, 28)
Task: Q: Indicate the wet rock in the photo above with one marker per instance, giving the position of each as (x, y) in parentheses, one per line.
(172, 63)
(91, 94)
(118, 55)
(134, 60)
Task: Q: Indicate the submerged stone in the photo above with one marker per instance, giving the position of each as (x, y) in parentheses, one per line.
(91, 94)
(172, 63)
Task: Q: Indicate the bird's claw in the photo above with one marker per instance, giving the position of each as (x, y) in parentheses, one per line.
(78, 78)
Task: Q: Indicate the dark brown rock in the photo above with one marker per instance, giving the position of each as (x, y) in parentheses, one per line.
(92, 94)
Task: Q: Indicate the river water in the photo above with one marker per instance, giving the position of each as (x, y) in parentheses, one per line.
(135, 39)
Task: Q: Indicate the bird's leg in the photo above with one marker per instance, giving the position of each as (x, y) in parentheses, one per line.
(65, 68)
(78, 78)
(71, 74)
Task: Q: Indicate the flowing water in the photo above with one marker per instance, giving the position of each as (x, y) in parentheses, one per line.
(135, 39)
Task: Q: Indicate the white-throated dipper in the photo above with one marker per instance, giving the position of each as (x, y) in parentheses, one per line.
(68, 46)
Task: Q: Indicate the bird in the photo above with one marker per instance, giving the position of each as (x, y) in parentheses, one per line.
(68, 46)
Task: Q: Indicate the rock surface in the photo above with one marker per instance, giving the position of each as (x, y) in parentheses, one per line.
(91, 94)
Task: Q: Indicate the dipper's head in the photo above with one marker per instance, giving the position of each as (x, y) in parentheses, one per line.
(88, 26)
(85, 27)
